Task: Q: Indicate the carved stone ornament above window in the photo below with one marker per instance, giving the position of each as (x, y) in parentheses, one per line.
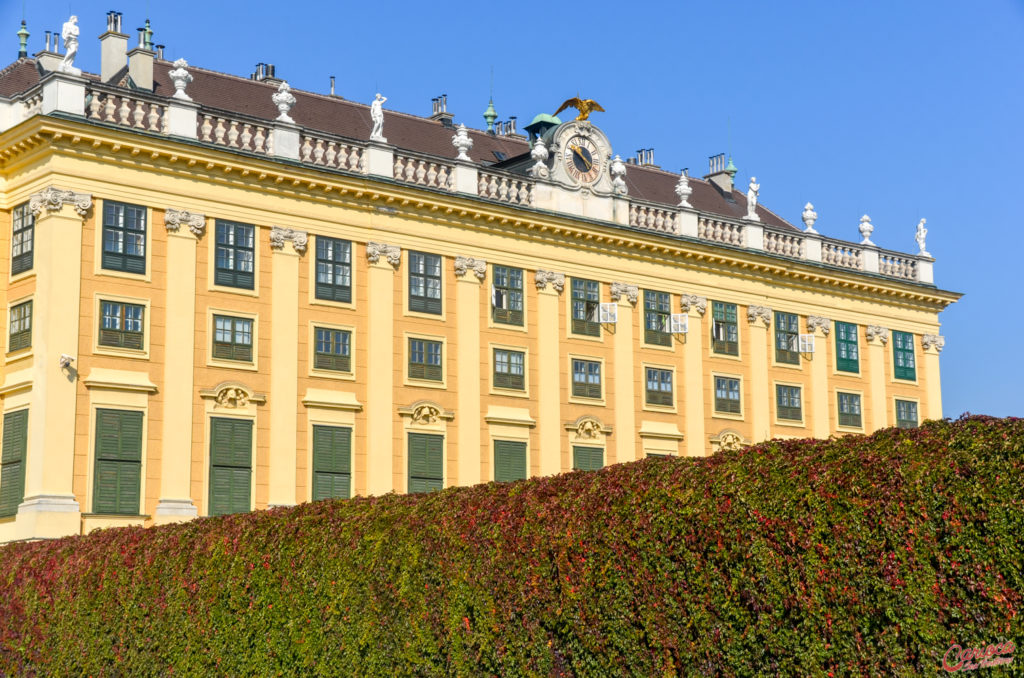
(465, 264)
(426, 413)
(930, 341)
(727, 440)
(545, 278)
(620, 289)
(873, 332)
(298, 239)
(759, 312)
(174, 219)
(688, 301)
(816, 322)
(54, 198)
(231, 395)
(376, 250)
(588, 427)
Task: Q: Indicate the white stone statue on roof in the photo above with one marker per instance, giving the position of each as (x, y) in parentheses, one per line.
(70, 34)
(922, 233)
(377, 116)
(752, 192)
(181, 78)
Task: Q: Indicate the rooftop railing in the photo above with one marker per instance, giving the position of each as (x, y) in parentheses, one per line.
(146, 112)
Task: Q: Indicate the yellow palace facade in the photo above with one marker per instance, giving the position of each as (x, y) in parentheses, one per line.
(226, 295)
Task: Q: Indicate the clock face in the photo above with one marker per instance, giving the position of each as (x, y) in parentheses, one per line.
(582, 159)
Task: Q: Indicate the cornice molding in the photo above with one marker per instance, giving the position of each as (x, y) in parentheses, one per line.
(359, 192)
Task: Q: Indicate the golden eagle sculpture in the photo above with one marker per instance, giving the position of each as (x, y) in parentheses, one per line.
(584, 106)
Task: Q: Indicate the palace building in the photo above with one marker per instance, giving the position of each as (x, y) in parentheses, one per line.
(224, 295)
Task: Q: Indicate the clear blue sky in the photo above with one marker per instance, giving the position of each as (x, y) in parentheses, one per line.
(900, 110)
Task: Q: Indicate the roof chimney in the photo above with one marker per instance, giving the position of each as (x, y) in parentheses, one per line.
(721, 174)
(49, 59)
(140, 61)
(440, 110)
(332, 85)
(113, 48)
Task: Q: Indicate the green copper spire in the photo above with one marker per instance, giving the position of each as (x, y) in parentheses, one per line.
(490, 115)
(23, 41)
(731, 168)
(148, 40)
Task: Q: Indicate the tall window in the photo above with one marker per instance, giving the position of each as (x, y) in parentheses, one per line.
(425, 360)
(656, 318)
(659, 386)
(787, 403)
(235, 255)
(587, 458)
(333, 269)
(124, 237)
(118, 474)
(230, 466)
(509, 369)
(849, 410)
(787, 332)
(332, 462)
(121, 325)
(585, 299)
(906, 413)
(903, 355)
(333, 350)
(21, 327)
(425, 282)
(22, 239)
(507, 295)
(12, 462)
(586, 378)
(727, 395)
(232, 338)
(509, 460)
(847, 355)
(426, 459)
(724, 331)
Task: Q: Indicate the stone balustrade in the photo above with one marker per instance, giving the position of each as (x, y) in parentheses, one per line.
(122, 108)
(234, 132)
(719, 231)
(784, 244)
(897, 265)
(319, 149)
(653, 218)
(505, 188)
(843, 255)
(424, 172)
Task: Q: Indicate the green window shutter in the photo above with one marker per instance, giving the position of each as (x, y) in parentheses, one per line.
(587, 458)
(118, 473)
(903, 355)
(509, 460)
(230, 465)
(332, 446)
(847, 354)
(12, 461)
(426, 462)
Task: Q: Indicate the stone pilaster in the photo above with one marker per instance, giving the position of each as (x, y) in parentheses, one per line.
(469, 274)
(383, 260)
(878, 339)
(176, 504)
(693, 374)
(817, 403)
(284, 336)
(625, 404)
(931, 346)
(760, 319)
(549, 288)
(49, 508)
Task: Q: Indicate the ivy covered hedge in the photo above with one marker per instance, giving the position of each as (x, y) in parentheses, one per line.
(865, 555)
